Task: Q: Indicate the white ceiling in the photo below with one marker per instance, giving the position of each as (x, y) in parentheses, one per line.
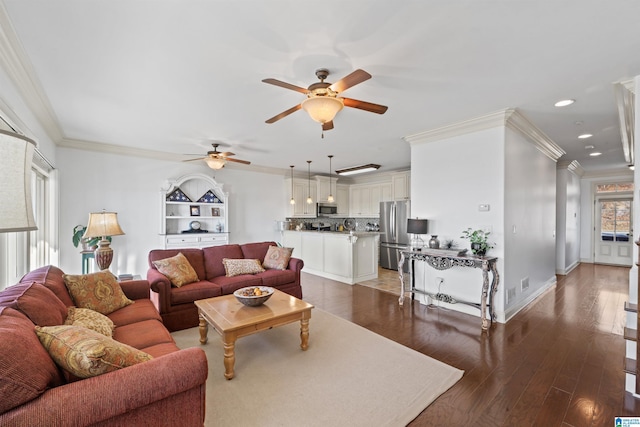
(173, 76)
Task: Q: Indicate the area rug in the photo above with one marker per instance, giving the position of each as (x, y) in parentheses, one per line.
(348, 376)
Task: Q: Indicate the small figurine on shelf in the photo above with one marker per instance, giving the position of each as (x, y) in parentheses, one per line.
(219, 227)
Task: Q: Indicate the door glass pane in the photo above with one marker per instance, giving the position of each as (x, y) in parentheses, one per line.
(615, 220)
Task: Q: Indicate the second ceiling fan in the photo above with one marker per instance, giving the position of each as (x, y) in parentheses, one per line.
(322, 102)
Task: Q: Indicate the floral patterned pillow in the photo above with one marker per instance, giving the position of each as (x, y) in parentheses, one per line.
(236, 267)
(90, 319)
(177, 269)
(277, 258)
(100, 291)
(86, 353)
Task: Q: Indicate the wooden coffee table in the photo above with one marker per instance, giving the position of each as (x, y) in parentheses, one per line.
(232, 320)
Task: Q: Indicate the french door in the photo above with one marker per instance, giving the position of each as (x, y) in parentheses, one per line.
(614, 232)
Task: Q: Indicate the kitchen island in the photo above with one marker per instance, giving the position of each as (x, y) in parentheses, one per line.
(348, 257)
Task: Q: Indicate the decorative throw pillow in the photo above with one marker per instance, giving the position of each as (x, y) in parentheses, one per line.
(90, 319)
(277, 258)
(236, 267)
(86, 353)
(177, 269)
(36, 301)
(98, 291)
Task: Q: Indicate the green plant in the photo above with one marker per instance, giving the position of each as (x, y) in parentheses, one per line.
(479, 240)
(78, 232)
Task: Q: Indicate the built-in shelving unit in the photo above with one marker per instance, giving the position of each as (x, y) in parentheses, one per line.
(195, 212)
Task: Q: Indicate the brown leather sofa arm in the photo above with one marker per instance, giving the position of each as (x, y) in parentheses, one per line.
(124, 396)
(135, 289)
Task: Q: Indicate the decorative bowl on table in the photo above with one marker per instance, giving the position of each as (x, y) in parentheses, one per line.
(253, 295)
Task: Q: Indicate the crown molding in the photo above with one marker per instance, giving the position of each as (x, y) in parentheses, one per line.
(509, 117)
(625, 102)
(609, 173)
(151, 154)
(18, 67)
(571, 166)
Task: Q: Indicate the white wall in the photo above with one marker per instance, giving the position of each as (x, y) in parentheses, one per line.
(503, 169)
(92, 181)
(449, 179)
(568, 214)
(529, 221)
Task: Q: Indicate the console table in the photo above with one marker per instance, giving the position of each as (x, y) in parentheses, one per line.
(441, 261)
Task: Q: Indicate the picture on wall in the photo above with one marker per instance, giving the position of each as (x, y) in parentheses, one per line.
(195, 210)
(215, 211)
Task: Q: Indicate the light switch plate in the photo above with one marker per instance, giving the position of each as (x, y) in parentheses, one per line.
(483, 207)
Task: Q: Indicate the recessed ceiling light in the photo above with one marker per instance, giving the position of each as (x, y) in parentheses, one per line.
(585, 136)
(589, 147)
(564, 102)
(595, 153)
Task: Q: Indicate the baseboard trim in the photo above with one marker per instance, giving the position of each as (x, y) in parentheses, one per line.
(512, 311)
(564, 272)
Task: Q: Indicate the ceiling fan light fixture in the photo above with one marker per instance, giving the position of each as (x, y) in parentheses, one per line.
(215, 163)
(358, 169)
(322, 109)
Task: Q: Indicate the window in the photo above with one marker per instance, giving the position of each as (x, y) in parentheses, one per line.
(615, 220)
(23, 251)
(614, 188)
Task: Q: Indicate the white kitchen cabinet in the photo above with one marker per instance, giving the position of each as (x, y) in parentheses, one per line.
(342, 199)
(325, 186)
(312, 250)
(347, 258)
(194, 213)
(401, 183)
(301, 190)
(364, 199)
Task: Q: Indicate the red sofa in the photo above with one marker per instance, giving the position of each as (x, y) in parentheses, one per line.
(168, 390)
(176, 304)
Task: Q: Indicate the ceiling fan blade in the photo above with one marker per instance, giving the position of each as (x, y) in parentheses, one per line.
(357, 77)
(328, 125)
(284, 114)
(221, 153)
(244, 162)
(286, 85)
(367, 106)
(193, 160)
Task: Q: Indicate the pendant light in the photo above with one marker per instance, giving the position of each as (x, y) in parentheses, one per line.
(330, 198)
(292, 201)
(309, 199)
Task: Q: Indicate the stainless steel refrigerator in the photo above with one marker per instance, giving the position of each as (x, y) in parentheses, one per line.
(393, 232)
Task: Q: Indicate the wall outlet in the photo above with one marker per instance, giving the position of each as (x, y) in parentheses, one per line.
(511, 294)
(524, 284)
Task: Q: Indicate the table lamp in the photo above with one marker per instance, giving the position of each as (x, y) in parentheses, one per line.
(417, 227)
(103, 224)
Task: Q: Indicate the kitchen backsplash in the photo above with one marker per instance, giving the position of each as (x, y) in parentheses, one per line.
(362, 224)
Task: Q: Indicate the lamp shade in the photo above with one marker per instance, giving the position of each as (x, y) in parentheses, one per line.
(16, 211)
(417, 226)
(103, 224)
(215, 163)
(322, 109)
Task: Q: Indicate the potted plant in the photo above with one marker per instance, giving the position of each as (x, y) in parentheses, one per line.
(87, 244)
(479, 241)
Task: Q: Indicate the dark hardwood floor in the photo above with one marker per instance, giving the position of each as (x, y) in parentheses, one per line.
(559, 362)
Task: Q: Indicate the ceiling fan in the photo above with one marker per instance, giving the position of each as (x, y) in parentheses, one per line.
(322, 102)
(217, 159)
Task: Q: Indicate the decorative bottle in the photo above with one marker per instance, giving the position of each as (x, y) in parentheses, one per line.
(434, 243)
